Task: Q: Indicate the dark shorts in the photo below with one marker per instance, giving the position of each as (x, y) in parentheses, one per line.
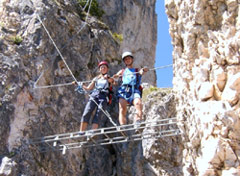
(91, 105)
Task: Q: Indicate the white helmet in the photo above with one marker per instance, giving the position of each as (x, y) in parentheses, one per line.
(125, 54)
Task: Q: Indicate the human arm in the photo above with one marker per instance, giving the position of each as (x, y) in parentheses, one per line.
(91, 85)
(116, 76)
(143, 70)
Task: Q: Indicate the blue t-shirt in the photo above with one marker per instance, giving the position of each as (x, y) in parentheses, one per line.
(129, 77)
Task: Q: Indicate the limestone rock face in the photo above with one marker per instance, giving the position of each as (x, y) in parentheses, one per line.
(7, 167)
(126, 18)
(164, 156)
(205, 36)
(29, 60)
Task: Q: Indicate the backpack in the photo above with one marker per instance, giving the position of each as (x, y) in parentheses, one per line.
(110, 94)
(140, 88)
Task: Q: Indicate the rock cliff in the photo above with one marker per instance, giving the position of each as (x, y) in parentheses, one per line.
(205, 36)
(29, 60)
(205, 97)
(126, 18)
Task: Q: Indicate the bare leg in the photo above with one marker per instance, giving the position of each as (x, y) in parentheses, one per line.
(122, 111)
(83, 126)
(138, 105)
(94, 126)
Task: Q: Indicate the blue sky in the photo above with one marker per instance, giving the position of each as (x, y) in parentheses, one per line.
(164, 48)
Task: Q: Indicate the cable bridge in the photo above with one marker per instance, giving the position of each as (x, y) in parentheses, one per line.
(104, 136)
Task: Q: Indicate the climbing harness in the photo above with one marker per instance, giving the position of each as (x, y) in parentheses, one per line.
(79, 89)
(127, 92)
(103, 86)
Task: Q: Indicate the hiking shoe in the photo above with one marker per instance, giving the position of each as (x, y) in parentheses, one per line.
(78, 137)
(137, 126)
(81, 133)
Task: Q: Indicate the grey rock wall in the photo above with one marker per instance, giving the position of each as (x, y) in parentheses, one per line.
(205, 36)
(26, 52)
(137, 21)
(27, 112)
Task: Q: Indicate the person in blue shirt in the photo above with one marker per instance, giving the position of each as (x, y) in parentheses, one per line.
(130, 89)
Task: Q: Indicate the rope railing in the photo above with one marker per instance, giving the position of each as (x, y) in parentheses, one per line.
(85, 23)
(56, 48)
(58, 51)
(151, 69)
(88, 81)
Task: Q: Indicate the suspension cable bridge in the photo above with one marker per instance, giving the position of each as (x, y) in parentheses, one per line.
(102, 136)
(106, 136)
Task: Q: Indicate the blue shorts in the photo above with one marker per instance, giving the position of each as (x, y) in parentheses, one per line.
(125, 92)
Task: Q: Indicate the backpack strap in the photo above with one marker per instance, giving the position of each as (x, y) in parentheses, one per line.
(137, 74)
(110, 93)
(140, 88)
(122, 72)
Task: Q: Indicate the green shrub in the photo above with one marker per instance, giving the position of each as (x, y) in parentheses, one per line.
(148, 91)
(117, 37)
(12, 154)
(1, 24)
(17, 39)
(94, 10)
(153, 89)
